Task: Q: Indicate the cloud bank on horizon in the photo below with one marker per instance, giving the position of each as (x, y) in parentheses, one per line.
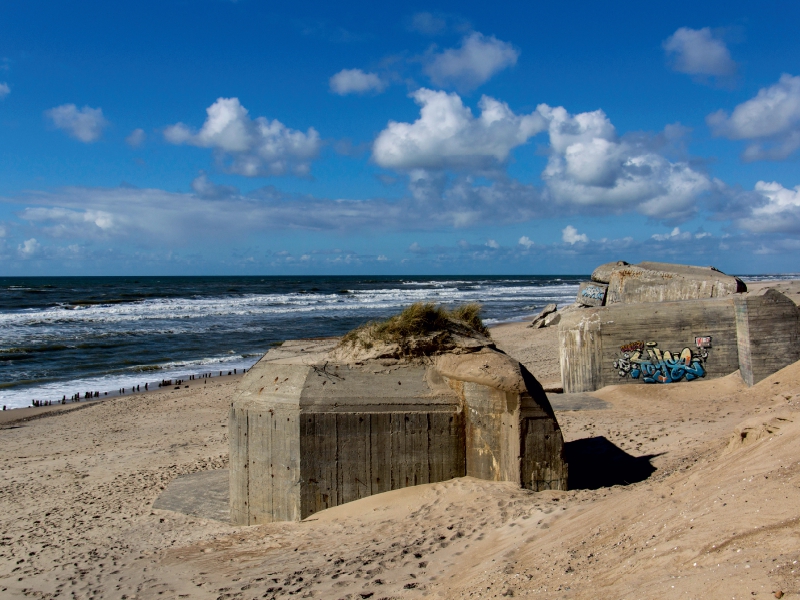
(444, 145)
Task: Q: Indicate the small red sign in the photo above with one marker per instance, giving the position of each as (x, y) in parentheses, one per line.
(703, 342)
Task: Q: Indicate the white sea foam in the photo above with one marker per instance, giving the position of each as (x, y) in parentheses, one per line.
(20, 397)
(172, 309)
(759, 278)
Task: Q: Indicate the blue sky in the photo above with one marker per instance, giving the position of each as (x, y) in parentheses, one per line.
(218, 137)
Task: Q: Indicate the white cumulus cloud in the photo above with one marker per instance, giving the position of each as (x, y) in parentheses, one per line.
(250, 147)
(570, 235)
(29, 248)
(780, 211)
(477, 59)
(698, 52)
(590, 164)
(447, 134)
(525, 241)
(356, 81)
(4, 90)
(85, 124)
(771, 119)
(492, 244)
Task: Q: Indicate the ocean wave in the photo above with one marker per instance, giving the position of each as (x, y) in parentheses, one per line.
(760, 278)
(232, 358)
(275, 304)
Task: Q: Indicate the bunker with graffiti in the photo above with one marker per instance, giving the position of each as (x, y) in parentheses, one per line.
(679, 342)
(647, 363)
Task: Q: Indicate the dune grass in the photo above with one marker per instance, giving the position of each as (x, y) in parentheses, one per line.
(419, 320)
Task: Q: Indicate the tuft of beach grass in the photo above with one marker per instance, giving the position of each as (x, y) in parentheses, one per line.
(421, 319)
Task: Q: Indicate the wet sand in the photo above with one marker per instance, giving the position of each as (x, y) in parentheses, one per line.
(672, 497)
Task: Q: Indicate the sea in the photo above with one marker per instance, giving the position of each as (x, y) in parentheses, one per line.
(61, 336)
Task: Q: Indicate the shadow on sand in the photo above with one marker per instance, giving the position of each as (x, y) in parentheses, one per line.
(596, 463)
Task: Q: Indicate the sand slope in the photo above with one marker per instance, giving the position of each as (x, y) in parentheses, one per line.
(718, 516)
(721, 520)
(537, 349)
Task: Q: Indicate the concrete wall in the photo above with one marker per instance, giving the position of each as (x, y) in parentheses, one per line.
(768, 333)
(347, 456)
(264, 463)
(542, 465)
(581, 351)
(263, 428)
(512, 436)
(542, 446)
(287, 465)
(634, 344)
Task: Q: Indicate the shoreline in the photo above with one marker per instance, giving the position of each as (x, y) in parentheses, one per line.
(27, 413)
(106, 393)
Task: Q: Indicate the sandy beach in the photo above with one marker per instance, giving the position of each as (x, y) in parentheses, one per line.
(399, 301)
(680, 491)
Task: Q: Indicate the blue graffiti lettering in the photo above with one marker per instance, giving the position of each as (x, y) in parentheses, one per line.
(664, 368)
(592, 291)
(658, 367)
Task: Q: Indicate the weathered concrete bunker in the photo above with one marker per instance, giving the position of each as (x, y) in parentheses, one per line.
(309, 431)
(669, 342)
(623, 283)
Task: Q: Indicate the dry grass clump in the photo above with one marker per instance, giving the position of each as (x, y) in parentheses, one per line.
(420, 320)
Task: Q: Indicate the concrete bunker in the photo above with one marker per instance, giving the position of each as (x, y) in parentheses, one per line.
(619, 282)
(662, 282)
(678, 341)
(318, 423)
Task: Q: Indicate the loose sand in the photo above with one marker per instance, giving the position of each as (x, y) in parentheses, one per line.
(704, 507)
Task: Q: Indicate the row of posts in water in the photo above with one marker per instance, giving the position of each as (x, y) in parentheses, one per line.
(122, 391)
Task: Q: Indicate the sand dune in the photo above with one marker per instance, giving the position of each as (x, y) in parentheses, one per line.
(706, 504)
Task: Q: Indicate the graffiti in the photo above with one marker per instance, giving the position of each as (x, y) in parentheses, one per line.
(594, 292)
(632, 347)
(647, 363)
